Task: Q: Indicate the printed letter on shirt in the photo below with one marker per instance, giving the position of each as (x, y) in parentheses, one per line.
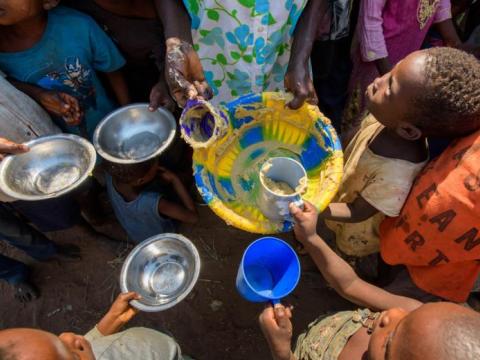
(470, 237)
(426, 195)
(443, 219)
(439, 258)
(415, 240)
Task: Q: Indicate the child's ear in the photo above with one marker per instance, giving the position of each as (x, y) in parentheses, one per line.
(50, 4)
(409, 131)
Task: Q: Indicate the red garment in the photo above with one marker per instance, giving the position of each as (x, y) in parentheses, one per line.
(438, 231)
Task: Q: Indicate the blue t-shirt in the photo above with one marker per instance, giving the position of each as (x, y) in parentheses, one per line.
(140, 217)
(65, 59)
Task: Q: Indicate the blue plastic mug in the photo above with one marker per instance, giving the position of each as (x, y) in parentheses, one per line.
(269, 271)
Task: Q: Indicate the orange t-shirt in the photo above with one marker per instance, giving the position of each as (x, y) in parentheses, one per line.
(437, 233)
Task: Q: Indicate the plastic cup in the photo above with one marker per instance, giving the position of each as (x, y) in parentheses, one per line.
(201, 124)
(269, 271)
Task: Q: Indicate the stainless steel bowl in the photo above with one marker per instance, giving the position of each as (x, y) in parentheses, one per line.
(133, 134)
(54, 165)
(162, 269)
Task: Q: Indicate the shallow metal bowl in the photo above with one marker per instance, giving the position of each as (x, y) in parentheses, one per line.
(133, 134)
(54, 165)
(162, 269)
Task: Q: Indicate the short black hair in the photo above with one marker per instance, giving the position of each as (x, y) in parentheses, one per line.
(450, 104)
(128, 173)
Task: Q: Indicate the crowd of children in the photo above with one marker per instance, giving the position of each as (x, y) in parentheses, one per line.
(410, 126)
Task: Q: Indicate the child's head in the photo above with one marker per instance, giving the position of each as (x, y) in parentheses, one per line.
(133, 174)
(434, 92)
(437, 331)
(25, 344)
(16, 11)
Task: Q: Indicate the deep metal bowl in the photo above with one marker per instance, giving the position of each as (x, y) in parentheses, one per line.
(54, 166)
(133, 134)
(162, 269)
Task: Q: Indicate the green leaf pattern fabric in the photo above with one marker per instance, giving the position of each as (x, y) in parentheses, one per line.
(244, 45)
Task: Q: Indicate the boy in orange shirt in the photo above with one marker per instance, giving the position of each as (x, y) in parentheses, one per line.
(436, 235)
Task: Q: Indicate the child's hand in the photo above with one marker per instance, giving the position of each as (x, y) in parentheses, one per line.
(305, 221)
(159, 96)
(120, 313)
(121, 308)
(62, 105)
(9, 147)
(277, 329)
(184, 72)
(167, 175)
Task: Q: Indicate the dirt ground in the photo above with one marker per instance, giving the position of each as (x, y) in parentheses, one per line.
(214, 322)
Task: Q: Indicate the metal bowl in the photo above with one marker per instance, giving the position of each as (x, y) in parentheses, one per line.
(162, 269)
(54, 165)
(134, 134)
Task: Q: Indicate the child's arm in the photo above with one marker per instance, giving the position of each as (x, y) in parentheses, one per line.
(119, 86)
(337, 272)
(357, 211)
(186, 213)
(370, 35)
(120, 313)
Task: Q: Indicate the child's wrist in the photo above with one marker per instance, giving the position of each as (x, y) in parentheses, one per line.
(110, 324)
(311, 238)
(38, 94)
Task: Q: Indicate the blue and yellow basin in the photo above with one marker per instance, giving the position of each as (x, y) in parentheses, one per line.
(232, 143)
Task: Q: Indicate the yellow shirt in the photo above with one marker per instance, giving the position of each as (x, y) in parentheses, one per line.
(383, 182)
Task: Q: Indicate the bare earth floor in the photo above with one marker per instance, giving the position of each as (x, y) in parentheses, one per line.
(214, 322)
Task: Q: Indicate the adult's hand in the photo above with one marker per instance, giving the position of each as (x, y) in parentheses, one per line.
(159, 96)
(277, 329)
(62, 105)
(299, 83)
(120, 313)
(184, 72)
(8, 147)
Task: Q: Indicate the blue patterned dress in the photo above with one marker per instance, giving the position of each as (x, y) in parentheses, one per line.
(244, 45)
